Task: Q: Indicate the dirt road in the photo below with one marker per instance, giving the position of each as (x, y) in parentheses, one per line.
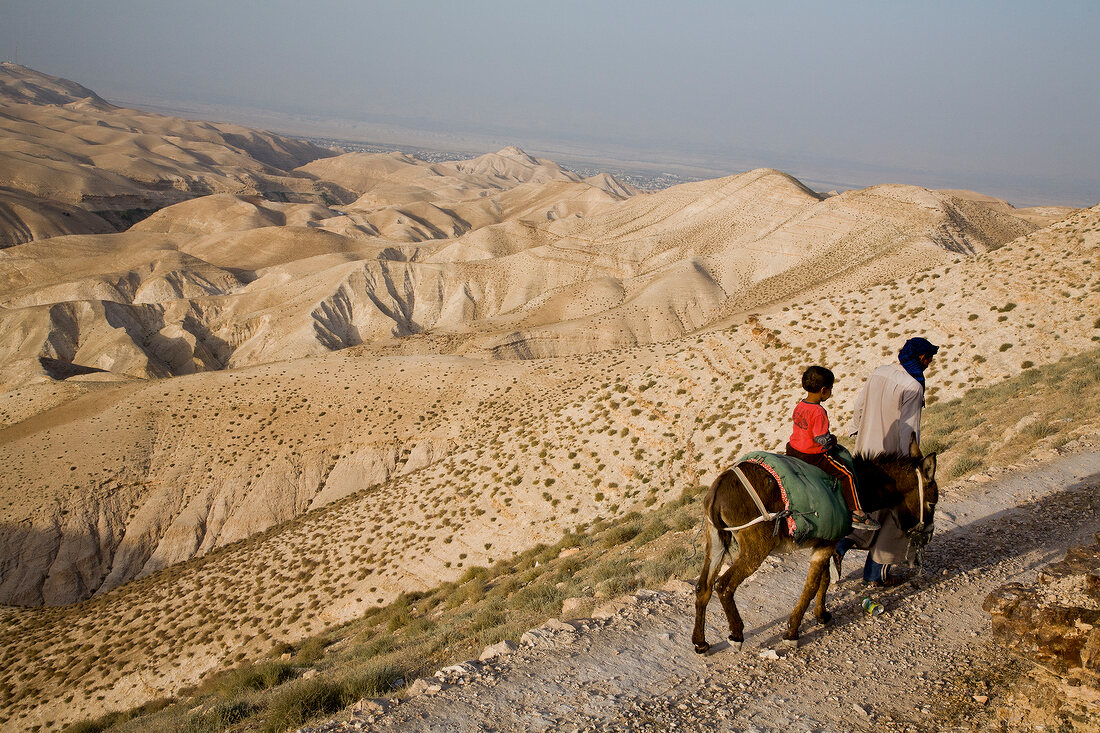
(926, 664)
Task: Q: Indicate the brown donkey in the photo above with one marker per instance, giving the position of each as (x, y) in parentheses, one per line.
(905, 482)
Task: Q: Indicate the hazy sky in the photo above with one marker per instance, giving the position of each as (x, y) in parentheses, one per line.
(1001, 97)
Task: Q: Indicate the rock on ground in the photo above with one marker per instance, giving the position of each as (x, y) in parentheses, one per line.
(1055, 625)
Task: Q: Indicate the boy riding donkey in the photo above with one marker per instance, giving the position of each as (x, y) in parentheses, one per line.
(812, 442)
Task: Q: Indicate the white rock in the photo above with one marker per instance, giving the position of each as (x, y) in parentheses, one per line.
(537, 637)
(498, 649)
(457, 671)
(371, 705)
(679, 587)
(426, 687)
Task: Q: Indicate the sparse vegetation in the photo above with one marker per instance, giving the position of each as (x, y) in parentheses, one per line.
(413, 635)
(410, 636)
(544, 454)
(979, 428)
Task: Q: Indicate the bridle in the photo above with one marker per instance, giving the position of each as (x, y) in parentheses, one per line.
(921, 533)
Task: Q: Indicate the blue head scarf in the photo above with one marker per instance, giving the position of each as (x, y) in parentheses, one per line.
(914, 348)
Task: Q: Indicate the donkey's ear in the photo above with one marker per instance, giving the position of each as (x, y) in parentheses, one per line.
(928, 466)
(914, 446)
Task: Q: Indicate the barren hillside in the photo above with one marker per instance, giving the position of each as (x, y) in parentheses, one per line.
(225, 281)
(62, 146)
(927, 664)
(507, 454)
(305, 383)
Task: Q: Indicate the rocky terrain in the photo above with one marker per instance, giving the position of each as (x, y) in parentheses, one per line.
(304, 384)
(183, 467)
(1055, 625)
(928, 663)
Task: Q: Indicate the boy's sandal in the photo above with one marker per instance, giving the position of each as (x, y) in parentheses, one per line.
(862, 521)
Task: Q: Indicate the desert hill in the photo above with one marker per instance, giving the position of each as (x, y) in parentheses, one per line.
(308, 383)
(21, 85)
(612, 185)
(1039, 215)
(62, 143)
(406, 199)
(504, 255)
(551, 269)
(25, 218)
(505, 454)
(394, 178)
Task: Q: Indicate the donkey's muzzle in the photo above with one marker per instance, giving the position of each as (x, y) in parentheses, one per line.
(919, 536)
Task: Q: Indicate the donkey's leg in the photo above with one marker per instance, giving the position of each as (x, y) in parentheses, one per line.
(819, 563)
(712, 561)
(819, 610)
(753, 545)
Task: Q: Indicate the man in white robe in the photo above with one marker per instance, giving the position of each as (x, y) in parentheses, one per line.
(887, 414)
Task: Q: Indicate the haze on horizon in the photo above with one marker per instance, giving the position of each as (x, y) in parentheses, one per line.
(998, 97)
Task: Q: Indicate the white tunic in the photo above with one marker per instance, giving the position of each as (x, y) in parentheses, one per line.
(887, 412)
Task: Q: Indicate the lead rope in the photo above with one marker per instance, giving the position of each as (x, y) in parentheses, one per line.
(702, 526)
(918, 554)
(920, 491)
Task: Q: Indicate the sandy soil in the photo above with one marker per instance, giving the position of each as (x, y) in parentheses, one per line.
(928, 663)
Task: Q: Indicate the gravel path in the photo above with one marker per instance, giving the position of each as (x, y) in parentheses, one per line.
(919, 666)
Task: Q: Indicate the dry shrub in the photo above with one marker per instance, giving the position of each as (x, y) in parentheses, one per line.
(621, 533)
(253, 677)
(221, 716)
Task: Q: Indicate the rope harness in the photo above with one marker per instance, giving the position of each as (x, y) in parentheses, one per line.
(765, 515)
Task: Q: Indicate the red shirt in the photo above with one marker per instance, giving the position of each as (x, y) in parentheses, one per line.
(810, 421)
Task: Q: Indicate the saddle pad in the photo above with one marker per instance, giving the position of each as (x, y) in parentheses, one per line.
(817, 506)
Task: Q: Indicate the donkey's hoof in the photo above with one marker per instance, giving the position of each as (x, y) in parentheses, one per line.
(702, 648)
(788, 644)
(825, 618)
(735, 644)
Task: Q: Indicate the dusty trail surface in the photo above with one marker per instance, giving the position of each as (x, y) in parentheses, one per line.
(920, 666)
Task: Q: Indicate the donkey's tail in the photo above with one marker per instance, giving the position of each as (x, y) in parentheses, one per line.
(721, 534)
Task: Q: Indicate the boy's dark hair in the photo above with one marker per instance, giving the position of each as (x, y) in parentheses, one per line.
(816, 378)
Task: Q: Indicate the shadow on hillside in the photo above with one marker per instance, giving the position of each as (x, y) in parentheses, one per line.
(60, 370)
(52, 567)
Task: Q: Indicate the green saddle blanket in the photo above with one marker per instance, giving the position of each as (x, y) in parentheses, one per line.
(817, 506)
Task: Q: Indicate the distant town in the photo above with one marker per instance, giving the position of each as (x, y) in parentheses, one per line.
(645, 180)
